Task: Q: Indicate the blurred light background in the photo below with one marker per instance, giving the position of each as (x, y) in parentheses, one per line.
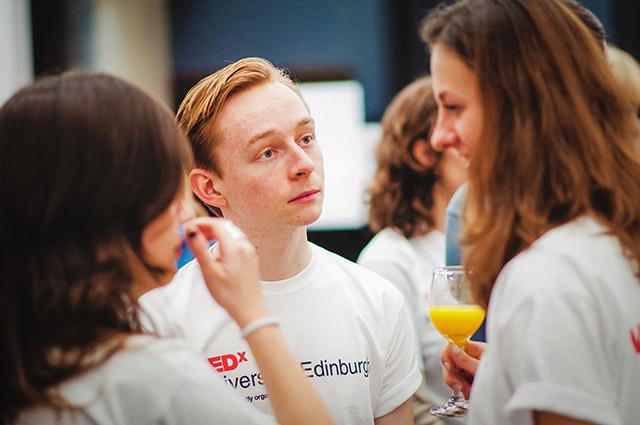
(352, 56)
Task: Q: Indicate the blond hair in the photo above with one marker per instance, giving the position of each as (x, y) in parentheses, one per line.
(202, 104)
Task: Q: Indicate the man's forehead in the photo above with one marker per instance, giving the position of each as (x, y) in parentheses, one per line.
(262, 113)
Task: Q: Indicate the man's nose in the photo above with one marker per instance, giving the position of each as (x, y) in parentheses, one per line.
(301, 163)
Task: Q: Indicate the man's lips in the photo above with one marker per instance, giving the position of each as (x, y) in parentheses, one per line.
(305, 194)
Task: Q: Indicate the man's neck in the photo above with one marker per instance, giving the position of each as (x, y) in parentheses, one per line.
(283, 254)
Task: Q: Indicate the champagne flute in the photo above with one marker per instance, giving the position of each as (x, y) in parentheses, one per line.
(456, 317)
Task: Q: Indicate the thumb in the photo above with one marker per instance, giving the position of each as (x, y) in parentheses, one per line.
(475, 349)
(463, 360)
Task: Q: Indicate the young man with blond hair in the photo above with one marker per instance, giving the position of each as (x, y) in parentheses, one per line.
(258, 163)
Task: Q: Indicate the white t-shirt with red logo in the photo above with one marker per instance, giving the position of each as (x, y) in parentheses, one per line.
(563, 333)
(408, 264)
(150, 381)
(346, 325)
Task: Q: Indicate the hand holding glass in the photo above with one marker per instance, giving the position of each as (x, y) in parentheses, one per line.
(456, 317)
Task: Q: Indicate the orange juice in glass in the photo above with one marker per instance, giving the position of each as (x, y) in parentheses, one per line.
(457, 322)
(456, 317)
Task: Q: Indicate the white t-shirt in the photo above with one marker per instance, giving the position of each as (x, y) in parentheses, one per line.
(563, 332)
(408, 264)
(151, 381)
(347, 326)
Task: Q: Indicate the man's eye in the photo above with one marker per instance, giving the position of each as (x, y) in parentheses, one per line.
(267, 154)
(306, 140)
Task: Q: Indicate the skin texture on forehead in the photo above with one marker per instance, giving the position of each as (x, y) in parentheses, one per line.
(245, 116)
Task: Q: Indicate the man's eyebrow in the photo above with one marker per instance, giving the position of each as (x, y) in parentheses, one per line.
(305, 121)
(267, 133)
(259, 136)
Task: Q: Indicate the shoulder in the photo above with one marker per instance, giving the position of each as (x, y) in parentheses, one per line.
(186, 284)
(583, 244)
(387, 246)
(578, 236)
(335, 266)
(186, 278)
(154, 361)
(354, 278)
(165, 310)
(159, 370)
(404, 261)
(430, 247)
(178, 385)
(576, 259)
(147, 371)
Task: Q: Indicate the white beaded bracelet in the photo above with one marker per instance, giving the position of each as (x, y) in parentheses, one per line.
(259, 323)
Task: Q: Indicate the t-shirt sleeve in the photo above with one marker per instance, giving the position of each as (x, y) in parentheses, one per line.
(553, 348)
(396, 273)
(402, 376)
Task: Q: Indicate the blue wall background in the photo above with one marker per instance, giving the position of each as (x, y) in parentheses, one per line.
(373, 41)
(347, 38)
(604, 11)
(367, 40)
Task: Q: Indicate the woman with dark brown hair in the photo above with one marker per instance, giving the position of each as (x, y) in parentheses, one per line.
(91, 183)
(410, 191)
(552, 218)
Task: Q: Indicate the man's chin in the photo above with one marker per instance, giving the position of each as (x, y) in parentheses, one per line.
(310, 217)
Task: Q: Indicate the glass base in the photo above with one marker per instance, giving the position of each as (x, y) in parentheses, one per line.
(457, 407)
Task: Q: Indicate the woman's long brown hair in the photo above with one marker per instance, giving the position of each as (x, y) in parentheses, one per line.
(401, 195)
(87, 162)
(558, 139)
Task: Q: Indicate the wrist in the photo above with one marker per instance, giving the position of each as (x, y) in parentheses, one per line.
(258, 324)
(249, 314)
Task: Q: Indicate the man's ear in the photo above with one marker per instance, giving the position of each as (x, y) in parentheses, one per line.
(423, 154)
(205, 185)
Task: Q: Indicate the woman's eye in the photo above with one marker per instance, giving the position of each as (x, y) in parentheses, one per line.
(451, 107)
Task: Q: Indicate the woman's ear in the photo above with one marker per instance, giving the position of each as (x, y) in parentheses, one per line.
(423, 153)
(206, 185)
